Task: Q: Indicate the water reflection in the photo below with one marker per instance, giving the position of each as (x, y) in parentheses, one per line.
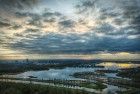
(55, 73)
(68, 71)
(113, 65)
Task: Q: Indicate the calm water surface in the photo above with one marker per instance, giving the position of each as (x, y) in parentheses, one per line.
(116, 66)
(54, 73)
(68, 71)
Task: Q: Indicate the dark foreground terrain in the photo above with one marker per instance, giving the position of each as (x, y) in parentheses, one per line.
(18, 88)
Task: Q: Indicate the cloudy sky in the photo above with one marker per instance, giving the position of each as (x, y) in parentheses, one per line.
(87, 29)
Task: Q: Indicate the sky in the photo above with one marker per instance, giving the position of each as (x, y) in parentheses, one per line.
(70, 29)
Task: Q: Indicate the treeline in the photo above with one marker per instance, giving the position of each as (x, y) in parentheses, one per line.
(18, 88)
(132, 73)
(27, 65)
(17, 68)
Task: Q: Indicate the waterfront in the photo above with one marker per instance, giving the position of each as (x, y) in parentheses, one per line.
(103, 73)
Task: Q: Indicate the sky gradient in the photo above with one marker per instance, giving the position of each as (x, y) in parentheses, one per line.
(85, 29)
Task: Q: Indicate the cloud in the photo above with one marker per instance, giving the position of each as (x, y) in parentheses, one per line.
(105, 28)
(4, 22)
(67, 23)
(119, 17)
(18, 4)
(32, 42)
(15, 27)
(97, 25)
(85, 6)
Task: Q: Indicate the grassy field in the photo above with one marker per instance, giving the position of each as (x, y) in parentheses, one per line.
(97, 85)
(18, 88)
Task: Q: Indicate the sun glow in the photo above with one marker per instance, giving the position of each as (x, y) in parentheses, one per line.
(85, 26)
(118, 65)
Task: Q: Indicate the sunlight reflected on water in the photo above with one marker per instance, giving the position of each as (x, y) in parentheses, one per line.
(113, 65)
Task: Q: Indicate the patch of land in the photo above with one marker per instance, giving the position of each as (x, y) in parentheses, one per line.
(18, 66)
(20, 88)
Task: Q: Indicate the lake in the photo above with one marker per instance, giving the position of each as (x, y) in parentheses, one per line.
(66, 73)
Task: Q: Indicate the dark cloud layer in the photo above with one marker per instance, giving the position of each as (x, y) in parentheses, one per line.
(55, 43)
(67, 23)
(43, 31)
(20, 4)
(3, 24)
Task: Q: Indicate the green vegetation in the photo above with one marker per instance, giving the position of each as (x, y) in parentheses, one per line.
(130, 91)
(69, 83)
(18, 66)
(18, 88)
(87, 75)
(15, 68)
(132, 73)
(97, 85)
(106, 71)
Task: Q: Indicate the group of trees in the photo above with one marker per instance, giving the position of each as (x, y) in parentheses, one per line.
(133, 74)
(27, 65)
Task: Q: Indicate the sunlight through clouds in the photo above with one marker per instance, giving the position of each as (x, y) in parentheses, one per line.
(45, 27)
